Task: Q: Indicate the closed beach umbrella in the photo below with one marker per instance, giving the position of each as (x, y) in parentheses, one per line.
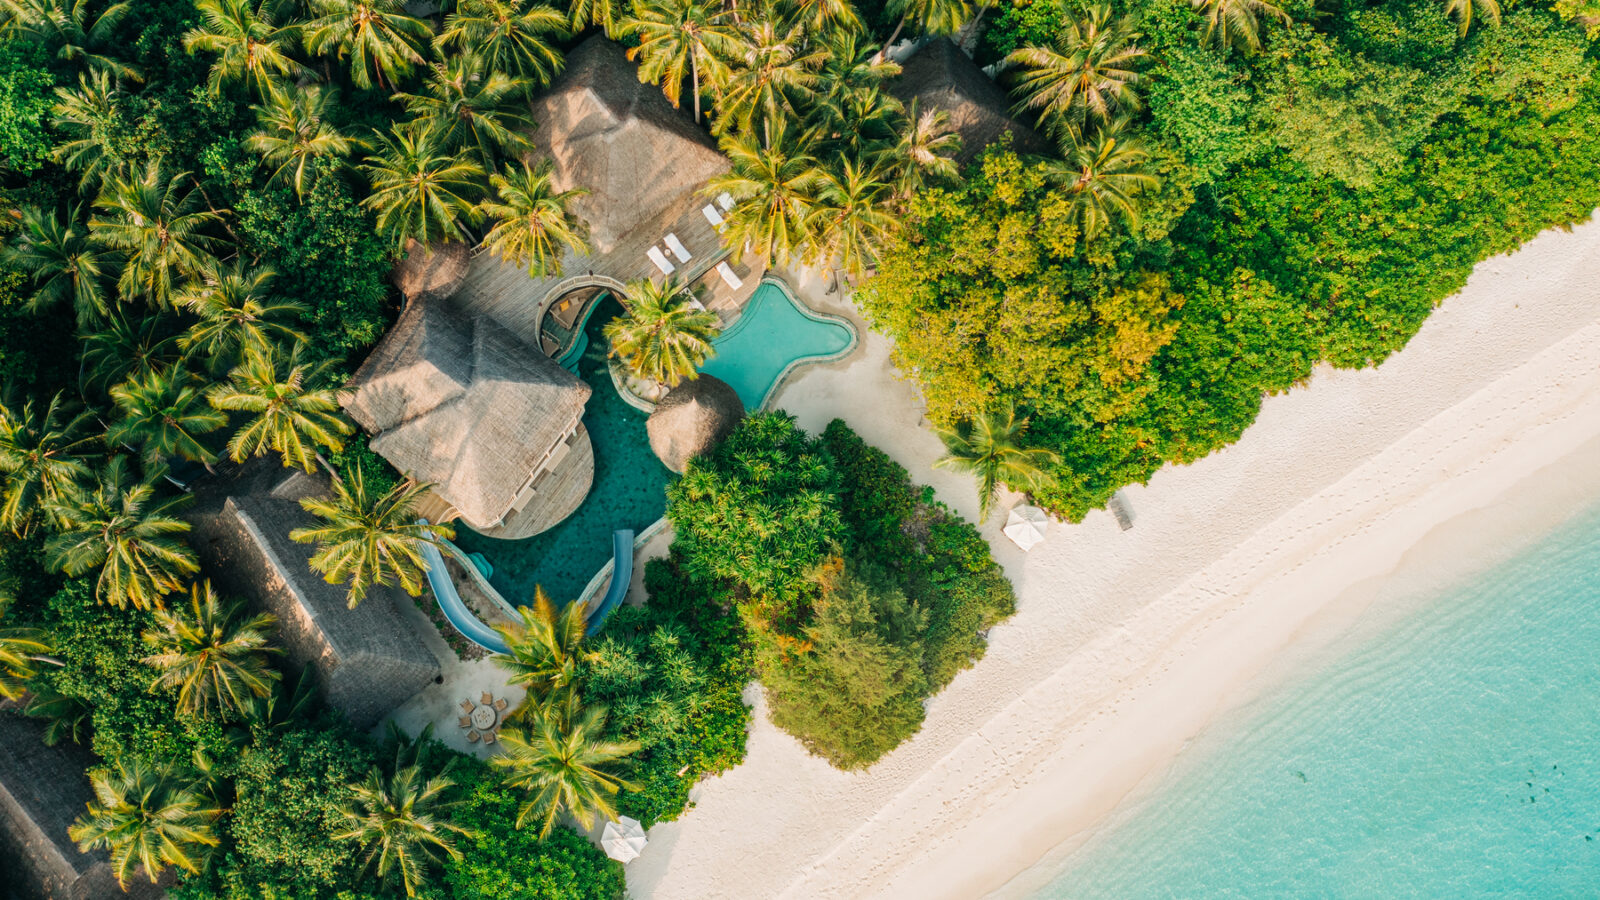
(623, 839)
(1025, 526)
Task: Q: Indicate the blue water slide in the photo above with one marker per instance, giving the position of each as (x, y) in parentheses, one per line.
(621, 575)
(454, 608)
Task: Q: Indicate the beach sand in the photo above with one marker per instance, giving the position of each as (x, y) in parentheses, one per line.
(1126, 644)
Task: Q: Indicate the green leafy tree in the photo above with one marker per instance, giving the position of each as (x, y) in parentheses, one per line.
(661, 337)
(89, 119)
(774, 180)
(1089, 70)
(546, 648)
(293, 131)
(500, 860)
(44, 459)
(1237, 23)
(238, 315)
(401, 823)
(123, 530)
(159, 222)
(419, 190)
(533, 222)
(680, 39)
(282, 409)
(563, 763)
(381, 42)
(250, 46)
(163, 415)
(1464, 11)
(214, 653)
(76, 31)
(510, 36)
(149, 817)
(472, 108)
(65, 265)
(367, 541)
(25, 101)
(992, 449)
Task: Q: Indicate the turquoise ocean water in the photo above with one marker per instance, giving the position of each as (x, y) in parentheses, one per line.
(1454, 755)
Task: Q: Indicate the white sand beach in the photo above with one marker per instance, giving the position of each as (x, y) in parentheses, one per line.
(1126, 644)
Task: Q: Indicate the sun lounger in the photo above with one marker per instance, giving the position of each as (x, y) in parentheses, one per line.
(677, 248)
(728, 277)
(712, 216)
(660, 259)
(725, 200)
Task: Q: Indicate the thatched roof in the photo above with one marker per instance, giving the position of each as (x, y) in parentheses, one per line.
(42, 791)
(463, 404)
(433, 272)
(941, 76)
(693, 418)
(621, 140)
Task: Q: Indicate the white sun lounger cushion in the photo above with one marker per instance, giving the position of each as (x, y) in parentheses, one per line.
(728, 276)
(712, 216)
(660, 259)
(725, 200)
(677, 248)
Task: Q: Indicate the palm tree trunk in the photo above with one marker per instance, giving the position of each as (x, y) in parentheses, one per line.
(694, 78)
(884, 50)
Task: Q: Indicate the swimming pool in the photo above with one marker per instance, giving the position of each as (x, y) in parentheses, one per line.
(773, 335)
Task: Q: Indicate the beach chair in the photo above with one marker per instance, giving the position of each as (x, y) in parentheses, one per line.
(725, 200)
(729, 277)
(660, 260)
(712, 216)
(472, 736)
(566, 314)
(677, 248)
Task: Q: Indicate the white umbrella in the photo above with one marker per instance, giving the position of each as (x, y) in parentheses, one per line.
(1025, 526)
(623, 839)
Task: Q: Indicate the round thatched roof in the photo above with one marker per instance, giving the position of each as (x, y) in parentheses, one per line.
(433, 272)
(692, 418)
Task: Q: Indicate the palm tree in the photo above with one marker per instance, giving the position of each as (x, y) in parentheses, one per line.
(928, 17)
(285, 414)
(560, 759)
(293, 131)
(418, 189)
(771, 69)
(21, 650)
(680, 39)
(250, 46)
(399, 823)
(511, 36)
(1463, 10)
(544, 648)
(583, 13)
(163, 415)
(532, 220)
(661, 336)
(368, 541)
(850, 96)
(147, 816)
(774, 179)
(376, 36)
(851, 220)
(160, 225)
(1232, 22)
(468, 106)
(126, 349)
(925, 151)
(122, 530)
(213, 653)
(828, 17)
(88, 116)
(1090, 69)
(1104, 173)
(73, 30)
(237, 315)
(42, 458)
(64, 263)
(64, 716)
(990, 447)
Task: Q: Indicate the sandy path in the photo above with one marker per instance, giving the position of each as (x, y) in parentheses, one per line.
(1127, 643)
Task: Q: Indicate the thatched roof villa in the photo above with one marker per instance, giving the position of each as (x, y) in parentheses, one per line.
(42, 791)
(942, 76)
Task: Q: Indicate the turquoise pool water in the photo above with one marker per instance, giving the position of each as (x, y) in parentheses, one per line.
(771, 334)
(1457, 755)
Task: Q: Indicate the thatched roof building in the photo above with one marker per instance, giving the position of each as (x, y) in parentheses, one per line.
(368, 660)
(941, 76)
(693, 418)
(42, 791)
(491, 421)
(433, 272)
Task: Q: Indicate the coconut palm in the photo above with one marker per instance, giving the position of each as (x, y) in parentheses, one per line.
(1104, 172)
(64, 264)
(418, 189)
(471, 107)
(21, 651)
(43, 459)
(250, 46)
(850, 93)
(128, 347)
(238, 315)
(378, 38)
(561, 759)
(148, 816)
(545, 647)
(400, 823)
(662, 337)
(161, 224)
(583, 13)
(1089, 69)
(293, 132)
(851, 220)
(925, 151)
(165, 414)
(284, 413)
(1238, 22)
(774, 180)
(771, 69)
(74, 30)
(990, 448)
(824, 17)
(533, 221)
(510, 36)
(214, 652)
(927, 17)
(677, 40)
(1464, 10)
(125, 532)
(366, 541)
(65, 717)
(88, 116)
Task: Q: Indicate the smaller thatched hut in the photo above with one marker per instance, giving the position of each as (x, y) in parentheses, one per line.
(693, 418)
(941, 76)
(434, 272)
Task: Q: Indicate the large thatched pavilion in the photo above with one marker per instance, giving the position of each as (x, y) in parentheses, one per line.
(941, 76)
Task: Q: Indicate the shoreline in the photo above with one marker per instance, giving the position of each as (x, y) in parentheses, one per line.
(1127, 645)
